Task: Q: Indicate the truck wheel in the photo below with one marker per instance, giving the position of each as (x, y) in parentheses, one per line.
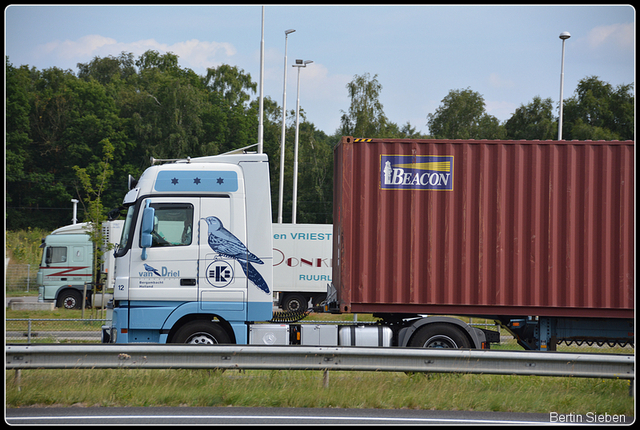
(294, 302)
(201, 333)
(70, 299)
(439, 336)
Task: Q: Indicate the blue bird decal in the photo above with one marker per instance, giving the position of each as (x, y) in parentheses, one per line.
(226, 244)
(151, 269)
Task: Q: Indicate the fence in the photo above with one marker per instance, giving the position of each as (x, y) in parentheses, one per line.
(21, 278)
(45, 330)
(68, 330)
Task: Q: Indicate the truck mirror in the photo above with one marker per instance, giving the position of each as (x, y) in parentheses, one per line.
(131, 182)
(147, 227)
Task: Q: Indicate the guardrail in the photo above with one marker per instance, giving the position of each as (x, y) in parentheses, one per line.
(154, 356)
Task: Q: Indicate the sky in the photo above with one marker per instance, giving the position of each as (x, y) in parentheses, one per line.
(508, 54)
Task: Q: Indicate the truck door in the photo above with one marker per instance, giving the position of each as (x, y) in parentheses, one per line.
(222, 283)
(166, 269)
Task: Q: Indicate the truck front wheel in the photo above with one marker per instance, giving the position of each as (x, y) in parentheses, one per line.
(70, 299)
(201, 332)
(439, 336)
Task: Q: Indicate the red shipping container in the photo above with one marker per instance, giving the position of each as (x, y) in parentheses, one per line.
(482, 227)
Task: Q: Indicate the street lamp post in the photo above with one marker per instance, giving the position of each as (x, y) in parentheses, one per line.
(564, 36)
(261, 98)
(284, 115)
(75, 210)
(299, 64)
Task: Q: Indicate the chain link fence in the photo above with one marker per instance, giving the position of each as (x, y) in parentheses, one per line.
(43, 330)
(50, 330)
(21, 278)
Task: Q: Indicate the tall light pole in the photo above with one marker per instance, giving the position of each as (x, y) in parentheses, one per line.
(299, 64)
(564, 36)
(261, 101)
(284, 115)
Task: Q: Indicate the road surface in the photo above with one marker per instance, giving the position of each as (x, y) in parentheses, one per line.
(268, 416)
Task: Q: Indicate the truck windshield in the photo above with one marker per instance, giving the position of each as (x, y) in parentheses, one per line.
(126, 232)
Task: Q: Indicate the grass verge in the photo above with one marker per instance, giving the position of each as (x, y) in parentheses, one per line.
(385, 390)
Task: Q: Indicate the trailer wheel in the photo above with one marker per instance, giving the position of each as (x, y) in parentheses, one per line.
(439, 336)
(295, 302)
(70, 299)
(201, 332)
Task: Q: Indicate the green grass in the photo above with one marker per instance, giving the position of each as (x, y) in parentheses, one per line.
(384, 390)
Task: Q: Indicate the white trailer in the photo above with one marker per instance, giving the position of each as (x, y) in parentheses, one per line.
(302, 264)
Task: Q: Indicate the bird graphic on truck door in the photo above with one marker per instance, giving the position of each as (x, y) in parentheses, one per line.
(223, 242)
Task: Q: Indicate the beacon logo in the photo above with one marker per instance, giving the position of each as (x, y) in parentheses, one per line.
(416, 172)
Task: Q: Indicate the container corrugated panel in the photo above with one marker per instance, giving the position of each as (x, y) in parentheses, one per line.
(485, 227)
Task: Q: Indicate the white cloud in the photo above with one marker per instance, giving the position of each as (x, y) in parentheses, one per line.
(617, 35)
(200, 55)
(497, 81)
(194, 53)
(82, 47)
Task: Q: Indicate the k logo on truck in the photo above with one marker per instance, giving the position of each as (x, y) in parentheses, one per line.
(416, 172)
(219, 273)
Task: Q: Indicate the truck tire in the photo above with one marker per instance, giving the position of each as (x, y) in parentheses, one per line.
(440, 336)
(294, 302)
(201, 332)
(70, 299)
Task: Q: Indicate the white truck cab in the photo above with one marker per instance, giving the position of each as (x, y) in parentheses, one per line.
(195, 257)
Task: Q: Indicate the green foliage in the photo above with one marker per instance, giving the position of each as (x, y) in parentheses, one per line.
(23, 246)
(533, 121)
(305, 389)
(598, 111)
(365, 117)
(462, 116)
(150, 106)
(94, 209)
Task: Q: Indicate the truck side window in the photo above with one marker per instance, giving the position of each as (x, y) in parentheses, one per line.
(173, 224)
(56, 254)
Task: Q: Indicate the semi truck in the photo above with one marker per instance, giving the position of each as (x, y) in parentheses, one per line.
(537, 235)
(67, 261)
(302, 265)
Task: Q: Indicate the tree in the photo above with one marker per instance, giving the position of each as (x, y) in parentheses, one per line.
(365, 117)
(598, 111)
(315, 183)
(463, 116)
(107, 69)
(533, 121)
(17, 124)
(93, 204)
(232, 83)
